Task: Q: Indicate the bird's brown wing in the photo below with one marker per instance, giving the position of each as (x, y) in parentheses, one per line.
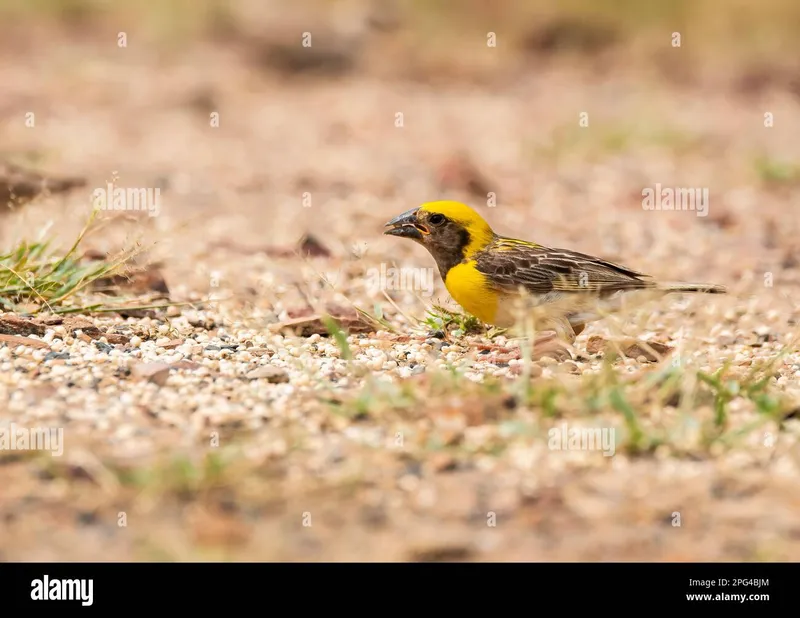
(509, 264)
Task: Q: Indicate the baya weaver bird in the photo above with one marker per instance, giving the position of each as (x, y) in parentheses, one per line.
(488, 275)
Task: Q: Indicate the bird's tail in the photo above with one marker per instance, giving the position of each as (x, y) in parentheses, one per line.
(703, 288)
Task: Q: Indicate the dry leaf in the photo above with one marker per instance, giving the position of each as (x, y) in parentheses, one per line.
(14, 340)
(11, 324)
(152, 372)
(273, 375)
(308, 323)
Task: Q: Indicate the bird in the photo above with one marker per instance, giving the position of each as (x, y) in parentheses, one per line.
(502, 280)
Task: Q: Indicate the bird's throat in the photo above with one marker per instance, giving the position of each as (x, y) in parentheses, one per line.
(451, 252)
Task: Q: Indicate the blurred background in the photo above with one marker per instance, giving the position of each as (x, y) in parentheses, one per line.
(308, 93)
(269, 120)
(263, 122)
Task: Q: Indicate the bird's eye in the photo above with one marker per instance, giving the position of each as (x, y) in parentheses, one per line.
(436, 219)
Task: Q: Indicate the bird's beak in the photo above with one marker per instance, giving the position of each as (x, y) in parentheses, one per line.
(406, 226)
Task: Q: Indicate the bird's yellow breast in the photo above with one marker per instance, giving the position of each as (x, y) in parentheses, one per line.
(469, 288)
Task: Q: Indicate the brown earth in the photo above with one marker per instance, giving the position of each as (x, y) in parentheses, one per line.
(174, 450)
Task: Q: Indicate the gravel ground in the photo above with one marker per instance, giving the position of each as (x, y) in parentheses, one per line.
(233, 427)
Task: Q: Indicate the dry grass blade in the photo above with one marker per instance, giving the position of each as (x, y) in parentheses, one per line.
(35, 274)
